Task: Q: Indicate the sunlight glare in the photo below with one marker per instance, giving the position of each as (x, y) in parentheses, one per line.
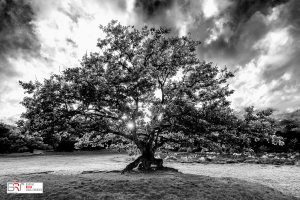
(130, 125)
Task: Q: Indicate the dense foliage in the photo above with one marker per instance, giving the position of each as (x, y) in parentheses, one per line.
(12, 140)
(291, 133)
(257, 128)
(144, 88)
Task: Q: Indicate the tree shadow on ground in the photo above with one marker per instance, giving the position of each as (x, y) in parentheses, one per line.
(160, 184)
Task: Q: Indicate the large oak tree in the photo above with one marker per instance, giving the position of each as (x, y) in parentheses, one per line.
(143, 86)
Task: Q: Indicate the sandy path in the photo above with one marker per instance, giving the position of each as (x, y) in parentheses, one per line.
(283, 178)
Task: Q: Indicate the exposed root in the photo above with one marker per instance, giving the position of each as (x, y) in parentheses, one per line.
(132, 165)
(158, 163)
(144, 164)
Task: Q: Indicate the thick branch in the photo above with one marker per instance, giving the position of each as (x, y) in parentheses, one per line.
(134, 131)
(151, 138)
(156, 141)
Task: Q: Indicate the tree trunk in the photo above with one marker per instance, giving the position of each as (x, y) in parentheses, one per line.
(145, 161)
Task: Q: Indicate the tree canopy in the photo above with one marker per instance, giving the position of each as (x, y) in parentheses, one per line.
(143, 86)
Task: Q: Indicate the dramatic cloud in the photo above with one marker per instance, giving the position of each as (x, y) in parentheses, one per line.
(258, 38)
(277, 60)
(39, 38)
(17, 41)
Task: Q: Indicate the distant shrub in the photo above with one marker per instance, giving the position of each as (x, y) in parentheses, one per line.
(294, 145)
(291, 134)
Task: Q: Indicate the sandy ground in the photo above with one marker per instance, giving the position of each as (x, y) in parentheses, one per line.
(285, 179)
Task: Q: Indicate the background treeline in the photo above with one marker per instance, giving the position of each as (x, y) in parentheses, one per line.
(14, 139)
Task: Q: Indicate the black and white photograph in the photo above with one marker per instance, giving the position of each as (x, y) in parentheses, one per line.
(150, 99)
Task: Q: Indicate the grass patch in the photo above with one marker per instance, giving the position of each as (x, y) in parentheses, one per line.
(136, 185)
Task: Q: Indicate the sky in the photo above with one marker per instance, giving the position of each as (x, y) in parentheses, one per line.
(257, 39)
